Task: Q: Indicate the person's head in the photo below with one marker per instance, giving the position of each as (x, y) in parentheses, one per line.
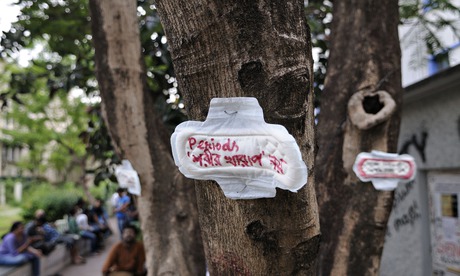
(39, 213)
(129, 233)
(81, 203)
(40, 217)
(76, 210)
(17, 227)
(120, 191)
(40, 220)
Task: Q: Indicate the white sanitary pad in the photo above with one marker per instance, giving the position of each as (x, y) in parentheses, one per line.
(385, 170)
(127, 177)
(235, 147)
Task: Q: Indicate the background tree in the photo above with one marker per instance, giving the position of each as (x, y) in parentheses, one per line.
(167, 206)
(423, 20)
(364, 58)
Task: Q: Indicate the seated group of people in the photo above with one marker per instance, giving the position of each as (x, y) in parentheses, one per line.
(90, 223)
(29, 242)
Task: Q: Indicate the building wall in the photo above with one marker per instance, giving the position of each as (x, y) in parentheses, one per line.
(430, 132)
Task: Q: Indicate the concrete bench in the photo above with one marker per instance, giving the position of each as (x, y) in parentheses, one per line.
(25, 269)
(55, 261)
(58, 259)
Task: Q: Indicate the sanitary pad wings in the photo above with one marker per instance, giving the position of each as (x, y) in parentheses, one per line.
(235, 147)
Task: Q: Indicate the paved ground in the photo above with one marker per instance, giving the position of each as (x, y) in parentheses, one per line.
(93, 264)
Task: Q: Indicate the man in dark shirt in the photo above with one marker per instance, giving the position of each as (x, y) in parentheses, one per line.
(49, 237)
(127, 256)
(44, 234)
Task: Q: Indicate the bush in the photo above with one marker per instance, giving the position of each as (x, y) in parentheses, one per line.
(56, 201)
(104, 189)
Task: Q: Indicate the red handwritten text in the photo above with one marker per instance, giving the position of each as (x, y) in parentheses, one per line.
(211, 152)
(207, 159)
(229, 145)
(277, 163)
(241, 160)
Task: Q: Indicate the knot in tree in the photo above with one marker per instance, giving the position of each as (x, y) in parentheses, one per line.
(367, 109)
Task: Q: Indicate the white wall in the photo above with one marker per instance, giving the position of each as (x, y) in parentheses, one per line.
(431, 107)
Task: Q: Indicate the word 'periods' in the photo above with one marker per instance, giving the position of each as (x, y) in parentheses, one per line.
(204, 144)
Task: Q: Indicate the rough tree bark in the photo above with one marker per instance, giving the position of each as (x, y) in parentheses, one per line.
(259, 49)
(167, 205)
(365, 57)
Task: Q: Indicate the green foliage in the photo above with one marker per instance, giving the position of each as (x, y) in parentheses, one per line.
(61, 29)
(426, 20)
(66, 62)
(56, 201)
(319, 17)
(104, 190)
(49, 128)
(408, 9)
(423, 17)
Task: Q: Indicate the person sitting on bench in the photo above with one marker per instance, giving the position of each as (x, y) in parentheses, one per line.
(16, 249)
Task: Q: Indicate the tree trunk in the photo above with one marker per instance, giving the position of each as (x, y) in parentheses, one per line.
(364, 56)
(257, 49)
(167, 206)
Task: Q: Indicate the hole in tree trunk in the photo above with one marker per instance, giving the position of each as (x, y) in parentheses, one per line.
(372, 104)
